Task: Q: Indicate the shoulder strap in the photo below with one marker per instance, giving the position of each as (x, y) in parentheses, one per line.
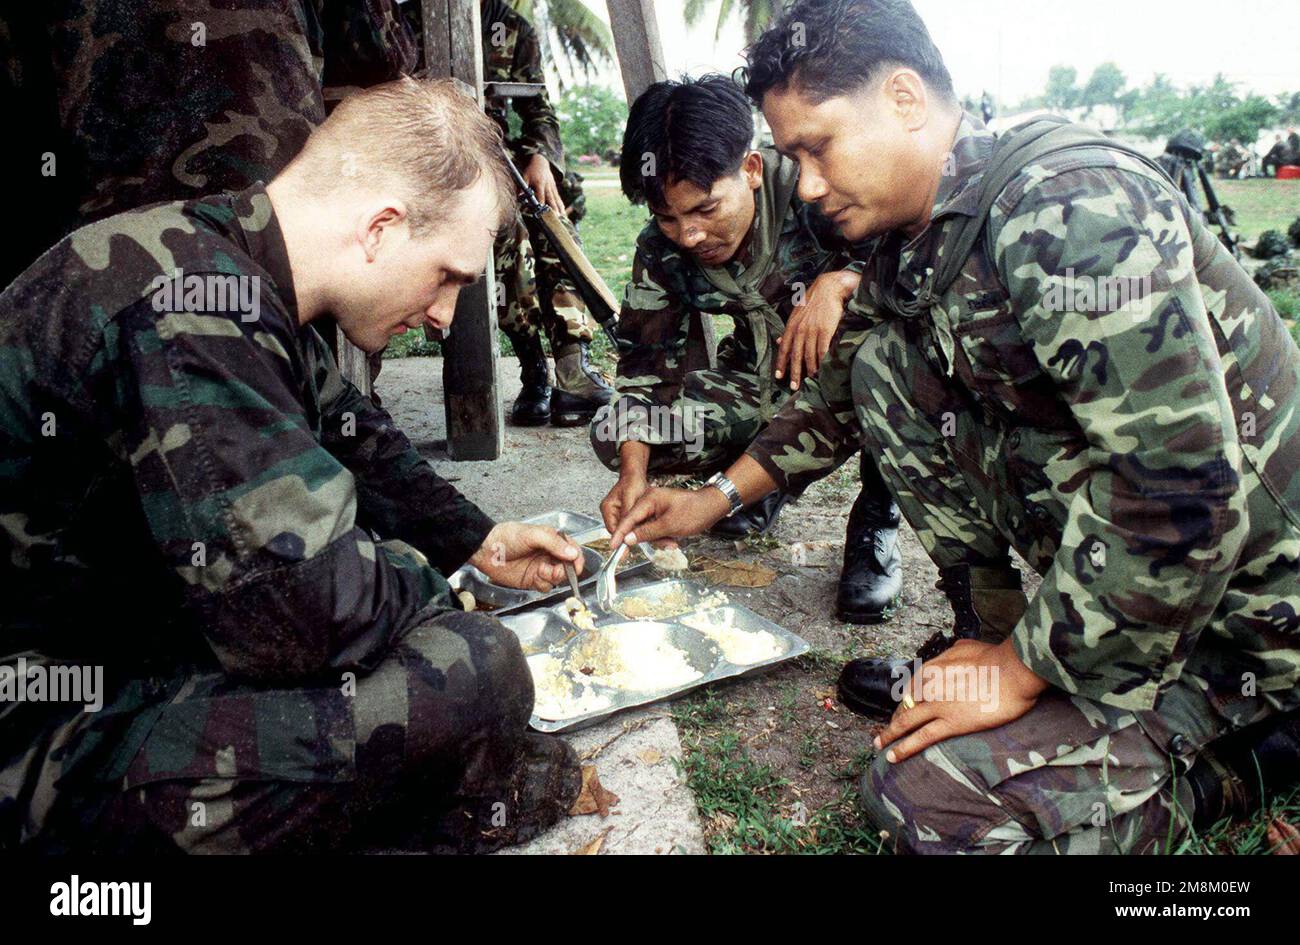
(1015, 150)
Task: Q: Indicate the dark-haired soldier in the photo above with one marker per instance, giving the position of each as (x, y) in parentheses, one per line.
(1275, 158)
(729, 237)
(1050, 351)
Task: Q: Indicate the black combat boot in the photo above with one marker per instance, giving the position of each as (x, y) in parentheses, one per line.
(579, 389)
(539, 791)
(987, 603)
(752, 519)
(872, 576)
(533, 405)
(1234, 775)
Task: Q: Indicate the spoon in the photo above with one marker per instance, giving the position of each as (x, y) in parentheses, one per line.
(606, 590)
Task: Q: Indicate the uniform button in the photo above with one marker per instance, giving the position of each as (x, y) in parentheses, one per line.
(1177, 744)
(1014, 439)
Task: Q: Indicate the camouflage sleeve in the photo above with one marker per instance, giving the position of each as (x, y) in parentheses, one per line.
(399, 495)
(366, 42)
(650, 373)
(817, 429)
(541, 128)
(255, 516)
(1156, 526)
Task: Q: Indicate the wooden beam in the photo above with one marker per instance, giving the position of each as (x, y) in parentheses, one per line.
(470, 379)
(513, 89)
(636, 41)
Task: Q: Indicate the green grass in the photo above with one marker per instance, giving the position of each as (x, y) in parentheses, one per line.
(1243, 838)
(1260, 204)
(739, 799)
(1287, 303)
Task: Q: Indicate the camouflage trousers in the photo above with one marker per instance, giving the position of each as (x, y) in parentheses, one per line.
(534, 292)
(709, 425)
(1068, 776)
(382, 760)
(1071, 775)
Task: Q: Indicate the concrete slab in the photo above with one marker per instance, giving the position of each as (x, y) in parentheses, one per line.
(634, 755)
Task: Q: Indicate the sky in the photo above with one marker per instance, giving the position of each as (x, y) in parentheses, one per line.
(1007, 46)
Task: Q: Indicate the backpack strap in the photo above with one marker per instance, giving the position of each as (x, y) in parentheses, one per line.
(1015, 150)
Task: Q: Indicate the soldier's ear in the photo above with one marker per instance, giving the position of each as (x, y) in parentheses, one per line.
(751, 167)
(378, 225)
(907, 98)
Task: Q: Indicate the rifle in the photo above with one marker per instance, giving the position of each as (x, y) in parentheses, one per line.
(595, 293)
(1219, 213)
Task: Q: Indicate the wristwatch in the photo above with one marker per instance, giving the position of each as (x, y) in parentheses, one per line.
(728, 489)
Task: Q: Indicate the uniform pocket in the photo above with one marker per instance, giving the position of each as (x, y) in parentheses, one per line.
(995, 349)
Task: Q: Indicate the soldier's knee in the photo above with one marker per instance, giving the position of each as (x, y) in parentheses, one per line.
(880, 810)
(494, 651)
(472, 663)
(923, 808)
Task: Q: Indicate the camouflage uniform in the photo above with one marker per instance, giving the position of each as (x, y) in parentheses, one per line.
(714, 399)
(551, 304)
(196, 501)
(1145, 461)
(140, 103)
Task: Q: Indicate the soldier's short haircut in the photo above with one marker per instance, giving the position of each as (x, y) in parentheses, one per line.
(696, 130)
(424, 139)
(834, 47)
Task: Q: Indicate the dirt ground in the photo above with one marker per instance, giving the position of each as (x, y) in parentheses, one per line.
(786, 722)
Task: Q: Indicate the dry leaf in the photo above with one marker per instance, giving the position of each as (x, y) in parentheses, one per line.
(733, 573)
(1283, 838)
(593, 848)
(651, 756)
(593, 798)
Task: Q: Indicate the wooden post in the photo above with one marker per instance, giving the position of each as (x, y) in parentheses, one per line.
(636, 41)
(470, 388)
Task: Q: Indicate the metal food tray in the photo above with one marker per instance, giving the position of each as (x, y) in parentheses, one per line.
(506, 600)
(546, 629)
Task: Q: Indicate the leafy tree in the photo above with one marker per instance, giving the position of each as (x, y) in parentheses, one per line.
(591, 119)
(1288, 109)
(1061, 91)
(757, 14)
(582, 39)
(1104, 86)
(1160, 109)
(1243, 121)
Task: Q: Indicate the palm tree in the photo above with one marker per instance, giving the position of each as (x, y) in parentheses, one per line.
(757, 14)
(580, 36)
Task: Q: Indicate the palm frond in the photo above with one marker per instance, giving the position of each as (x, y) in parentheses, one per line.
(572, 30)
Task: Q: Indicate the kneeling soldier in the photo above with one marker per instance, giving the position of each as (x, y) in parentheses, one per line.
(1051, 352)
(729, 237)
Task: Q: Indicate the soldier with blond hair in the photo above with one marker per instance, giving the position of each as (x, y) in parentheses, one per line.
(196, 502)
